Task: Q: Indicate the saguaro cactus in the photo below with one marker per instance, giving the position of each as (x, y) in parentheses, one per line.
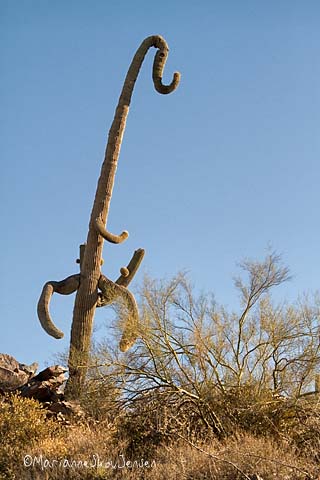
(93, 288)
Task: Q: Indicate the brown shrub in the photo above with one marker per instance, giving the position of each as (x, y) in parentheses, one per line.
(23, 424)
(26, 431)
(232, 459)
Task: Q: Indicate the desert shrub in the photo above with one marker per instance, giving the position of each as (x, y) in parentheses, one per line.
(50, 451)
(232, 459)
(304, 427)
(99, 399)
(250, 410)
(144, 425)
(23, 423)
(100, 395)
(159, 432)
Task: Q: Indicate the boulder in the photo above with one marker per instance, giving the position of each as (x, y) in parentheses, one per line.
(14, 374)
(47, 386)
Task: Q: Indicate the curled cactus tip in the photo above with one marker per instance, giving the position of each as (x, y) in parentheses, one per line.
(158, 67)
(110, 237)
(126, 343)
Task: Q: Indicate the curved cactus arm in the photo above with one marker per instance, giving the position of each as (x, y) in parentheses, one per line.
(130, 326)
(127, 274)
(132, 268)
(158, 66)
(64, 287)
(110, 237)
(112, 292)
(159, 62)
(109, 291)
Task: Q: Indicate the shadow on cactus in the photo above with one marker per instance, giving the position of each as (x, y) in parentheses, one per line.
(93, 288)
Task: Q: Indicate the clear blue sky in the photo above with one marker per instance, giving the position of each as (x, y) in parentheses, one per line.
(216, 171)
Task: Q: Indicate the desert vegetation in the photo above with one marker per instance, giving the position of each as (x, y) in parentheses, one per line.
(205, 393)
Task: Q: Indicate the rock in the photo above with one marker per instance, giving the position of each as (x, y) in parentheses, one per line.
(67, 409)
(41, 391)
(50, 372)
(47, 385)
(30, 369)
(66, 413)
(14, 374)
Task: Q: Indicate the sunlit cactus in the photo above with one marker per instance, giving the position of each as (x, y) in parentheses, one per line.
(94, 289)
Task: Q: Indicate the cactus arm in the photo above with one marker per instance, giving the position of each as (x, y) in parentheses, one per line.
(109, 291)
(64, 287)
(132, 268)
(110, 237)
(127, 274)
(112, 292)
(130, 328)
(158, 67)
(44, 313)
(81, 255)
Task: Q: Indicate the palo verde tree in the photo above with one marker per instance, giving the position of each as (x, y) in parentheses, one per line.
(93, 288)
(202, 368)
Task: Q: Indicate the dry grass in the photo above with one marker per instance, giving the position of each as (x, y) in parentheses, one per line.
(25, 432)
(236, 458)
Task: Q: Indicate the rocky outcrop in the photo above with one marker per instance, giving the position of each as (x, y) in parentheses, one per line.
(14, 374)
(47, 386)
